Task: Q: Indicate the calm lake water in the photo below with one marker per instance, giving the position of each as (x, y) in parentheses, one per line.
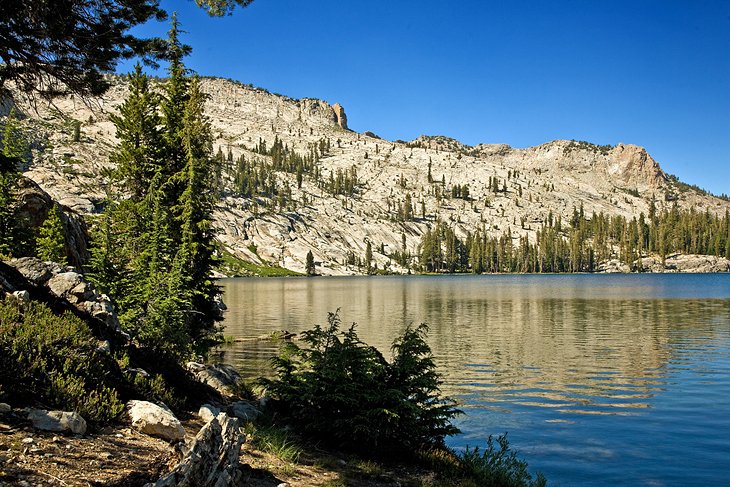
(598, 379)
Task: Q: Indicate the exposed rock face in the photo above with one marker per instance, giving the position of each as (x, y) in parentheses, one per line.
(687, 263)
(634, 164)
(550, 178)
(61, 421)
(340, 117)
(34, 205)
(213, 458)
(154, 420)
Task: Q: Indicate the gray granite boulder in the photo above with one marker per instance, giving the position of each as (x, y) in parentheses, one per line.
(61, 421)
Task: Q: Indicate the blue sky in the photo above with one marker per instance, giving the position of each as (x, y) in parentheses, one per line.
(655, 73)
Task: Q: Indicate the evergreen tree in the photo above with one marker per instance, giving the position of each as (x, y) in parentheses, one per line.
(195, 257)
(368, 257)
(14, 151)
(310, 267)
(140, 150)
(51, 241)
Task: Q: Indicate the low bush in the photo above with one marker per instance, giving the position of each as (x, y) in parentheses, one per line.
(498, 466)
(344, 393)
(54, 360)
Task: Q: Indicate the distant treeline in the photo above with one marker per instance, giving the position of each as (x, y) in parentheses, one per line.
(580, 245)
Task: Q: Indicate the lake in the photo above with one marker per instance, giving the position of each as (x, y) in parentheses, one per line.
(598, 379)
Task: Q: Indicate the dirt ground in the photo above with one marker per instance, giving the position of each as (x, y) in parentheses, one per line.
(119, 456)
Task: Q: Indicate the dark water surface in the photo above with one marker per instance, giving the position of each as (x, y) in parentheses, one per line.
(599, 379)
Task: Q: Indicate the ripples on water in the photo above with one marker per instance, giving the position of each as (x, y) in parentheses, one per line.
(598, 379)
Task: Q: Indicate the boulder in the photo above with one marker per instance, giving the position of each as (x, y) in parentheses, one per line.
(154, 420)
(213, 457)
(221, 377)
(69, 285)
(62, 421)
(208, 412)
(244, 410)
(5, 408)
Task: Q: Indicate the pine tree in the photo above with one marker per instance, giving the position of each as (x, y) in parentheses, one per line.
(139, 153)
(368, 257)
(310, 267)
(51, 241)
(14, 151)
(195, 257)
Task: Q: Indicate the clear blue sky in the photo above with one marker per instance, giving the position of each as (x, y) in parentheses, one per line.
(655, 73)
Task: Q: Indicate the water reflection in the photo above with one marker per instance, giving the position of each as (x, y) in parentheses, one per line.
(539, 342)
(520, 351)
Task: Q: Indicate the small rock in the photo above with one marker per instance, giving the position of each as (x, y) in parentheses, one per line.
(244, 410)
(57, 421)
(154, 420)
(283, 484)
(106, 455)
(27, 441)
(22, 296)
(207, 412)
(119, 435)
(5, 408)
(104, 346)
(56, 439)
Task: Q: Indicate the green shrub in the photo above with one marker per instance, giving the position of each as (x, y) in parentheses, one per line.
(54, 360)
(498, 466)
(343, 392)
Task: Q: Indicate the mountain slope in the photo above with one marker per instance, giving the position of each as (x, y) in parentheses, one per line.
(508, 188)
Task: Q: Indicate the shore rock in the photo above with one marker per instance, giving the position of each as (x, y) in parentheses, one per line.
(156, 421)
(221, 377)
(244, 410)
(61, 421)
(213, 458)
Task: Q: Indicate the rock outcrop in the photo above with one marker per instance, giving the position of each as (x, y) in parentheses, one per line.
(340, 117)
(33, 207)
(67, 284)
(551, 178)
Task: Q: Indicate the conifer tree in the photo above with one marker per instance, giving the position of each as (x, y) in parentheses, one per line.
(195, 257)
(310, 267)
(139, 153)
(368, 257)
(51, 242)
(14, 151)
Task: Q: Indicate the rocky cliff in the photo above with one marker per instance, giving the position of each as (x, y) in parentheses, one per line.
(554, 177)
